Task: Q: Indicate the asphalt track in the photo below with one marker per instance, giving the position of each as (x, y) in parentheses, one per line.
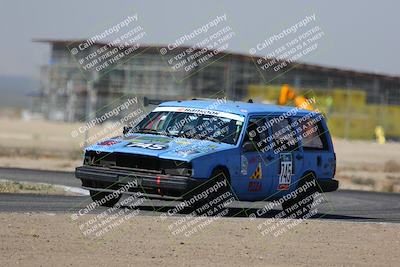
(344, 205)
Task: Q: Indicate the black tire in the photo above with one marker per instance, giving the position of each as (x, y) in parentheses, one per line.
(218, 175)
(300, 206)
(104, 198)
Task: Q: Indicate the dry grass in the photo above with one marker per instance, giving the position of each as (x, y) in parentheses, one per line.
(21, 187)
(392, 166)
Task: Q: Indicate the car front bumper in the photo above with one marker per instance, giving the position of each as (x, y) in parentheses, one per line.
(147, 182)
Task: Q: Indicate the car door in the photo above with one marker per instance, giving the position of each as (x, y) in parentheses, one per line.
(256, 170)
(288, 155)
(318, 150)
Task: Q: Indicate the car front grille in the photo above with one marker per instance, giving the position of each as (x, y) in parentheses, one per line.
(138, 162)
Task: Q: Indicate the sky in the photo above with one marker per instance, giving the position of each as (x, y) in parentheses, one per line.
(359, 35)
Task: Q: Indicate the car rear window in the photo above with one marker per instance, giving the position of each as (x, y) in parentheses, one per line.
(313, 135)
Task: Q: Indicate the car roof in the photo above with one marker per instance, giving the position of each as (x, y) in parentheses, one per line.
(236, 107)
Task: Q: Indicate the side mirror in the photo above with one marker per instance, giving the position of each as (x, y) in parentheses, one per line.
(248, 146)
(126, 129)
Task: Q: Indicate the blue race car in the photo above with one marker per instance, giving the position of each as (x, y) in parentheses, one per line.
(255, 151)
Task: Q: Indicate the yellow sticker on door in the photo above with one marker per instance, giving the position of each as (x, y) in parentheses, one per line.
(257, 174)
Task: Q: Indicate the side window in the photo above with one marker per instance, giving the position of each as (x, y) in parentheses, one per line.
(256, 133)
(313, 135)
(154, 121)
(283, 135)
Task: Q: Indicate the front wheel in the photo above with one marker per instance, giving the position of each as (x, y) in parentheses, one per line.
(214, 195)
(104, 198)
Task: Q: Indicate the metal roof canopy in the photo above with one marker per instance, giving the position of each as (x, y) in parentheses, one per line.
(296, 65)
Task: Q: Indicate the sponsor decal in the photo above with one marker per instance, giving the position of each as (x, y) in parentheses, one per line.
(187, 151)
(244, 165)
(153, 146)
(254, 186)
(148, 139)
(108, 143)
(257, 174)
(286, 172)
(212, 147)
(202, 112)
(195, 149)
(182, 142)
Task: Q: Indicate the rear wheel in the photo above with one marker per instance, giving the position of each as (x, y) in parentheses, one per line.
(300, 206)
(104, 198)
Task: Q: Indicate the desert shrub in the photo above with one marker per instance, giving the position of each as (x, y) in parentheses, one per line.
(392, 166)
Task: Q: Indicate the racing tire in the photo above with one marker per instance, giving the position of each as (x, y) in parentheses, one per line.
(104, 199)
(218, 175)
(300, 206)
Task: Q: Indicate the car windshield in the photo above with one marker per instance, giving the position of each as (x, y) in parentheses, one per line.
(214, 126)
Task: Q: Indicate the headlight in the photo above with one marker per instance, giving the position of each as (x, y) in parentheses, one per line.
(179, 171)
(174, 167)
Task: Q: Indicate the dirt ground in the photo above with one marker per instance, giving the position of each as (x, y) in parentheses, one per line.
(36, 240)
(368, 165)
(41, 144)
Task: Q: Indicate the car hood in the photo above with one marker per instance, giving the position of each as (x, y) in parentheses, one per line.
(160, 146)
